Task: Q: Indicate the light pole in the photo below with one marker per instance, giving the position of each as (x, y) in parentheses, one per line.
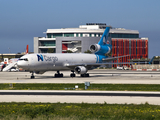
(9, 50)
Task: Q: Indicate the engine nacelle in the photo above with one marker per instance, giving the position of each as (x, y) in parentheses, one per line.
(94, 48)
(100, 49)
(80, 70)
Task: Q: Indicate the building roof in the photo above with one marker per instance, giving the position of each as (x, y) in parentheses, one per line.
(91, 29)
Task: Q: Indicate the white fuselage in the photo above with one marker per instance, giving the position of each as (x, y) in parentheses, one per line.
(54, 61)
(76, 62)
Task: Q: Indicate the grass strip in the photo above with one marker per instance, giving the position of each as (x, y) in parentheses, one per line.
(105, 87)
(83, 111)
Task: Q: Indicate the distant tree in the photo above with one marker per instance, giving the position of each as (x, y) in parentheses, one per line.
(109, 54)
(50, 50)
(69, 51)
(142, 58)
(88, 51)
(157, 57)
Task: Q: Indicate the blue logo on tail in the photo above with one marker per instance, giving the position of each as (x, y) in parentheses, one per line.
(40, 57)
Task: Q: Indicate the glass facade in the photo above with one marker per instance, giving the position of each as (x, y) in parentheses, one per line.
(68, 34)
(48, 50)
(48, 43)
(54, 35)
(57, 35)
(77, 35)
(49, 35)
(121, 35)
(44, 50)
(112, 35)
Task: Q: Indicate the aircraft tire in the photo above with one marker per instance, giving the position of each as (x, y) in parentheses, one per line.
(85, 75)
(82, 75)
(58, 75)
(61, 75)
(72, 75)
(32, 77)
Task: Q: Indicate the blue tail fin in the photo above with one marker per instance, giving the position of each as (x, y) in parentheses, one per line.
(105, 35)
(102, 47)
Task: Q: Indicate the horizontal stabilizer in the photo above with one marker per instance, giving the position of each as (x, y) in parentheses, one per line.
(97, 64)
(113, 58)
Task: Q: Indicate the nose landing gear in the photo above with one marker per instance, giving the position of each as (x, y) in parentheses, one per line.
(32, 76)
(72, 74)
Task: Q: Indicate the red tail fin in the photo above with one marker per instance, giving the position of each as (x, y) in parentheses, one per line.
(27, 49)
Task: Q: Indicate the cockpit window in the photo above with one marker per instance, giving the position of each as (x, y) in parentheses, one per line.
(25, 59)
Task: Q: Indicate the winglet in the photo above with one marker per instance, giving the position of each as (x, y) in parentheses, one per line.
(105, 34)
(151, 60)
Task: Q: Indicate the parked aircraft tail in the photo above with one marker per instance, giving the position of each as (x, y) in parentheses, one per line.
(150, 62)
(27, 49)
(103, 47)
(104, 36)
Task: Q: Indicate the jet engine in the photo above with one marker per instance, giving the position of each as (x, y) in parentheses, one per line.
(80, 70)
(100, 49)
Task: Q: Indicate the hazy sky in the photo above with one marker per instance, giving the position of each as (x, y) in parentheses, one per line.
(21, 20)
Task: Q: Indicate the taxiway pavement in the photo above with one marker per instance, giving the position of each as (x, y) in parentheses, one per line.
(96, 76)
(109, 97)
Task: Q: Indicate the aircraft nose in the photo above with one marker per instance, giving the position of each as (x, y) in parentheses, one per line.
(22, 64)
(19, 64)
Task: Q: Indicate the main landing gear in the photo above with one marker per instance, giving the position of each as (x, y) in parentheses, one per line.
(58, 74)
(72, 74)
(32, 76)
(85, 75)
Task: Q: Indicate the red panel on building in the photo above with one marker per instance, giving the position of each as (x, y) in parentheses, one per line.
(136, 48)
(64, 46)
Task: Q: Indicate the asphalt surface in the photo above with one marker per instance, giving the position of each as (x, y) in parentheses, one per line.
(96, 76)
(79, 93)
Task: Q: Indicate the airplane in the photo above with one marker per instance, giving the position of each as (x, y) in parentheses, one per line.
(12, 63)
(78, 63)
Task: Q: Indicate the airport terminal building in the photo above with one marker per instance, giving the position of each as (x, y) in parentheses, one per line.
(78, 40)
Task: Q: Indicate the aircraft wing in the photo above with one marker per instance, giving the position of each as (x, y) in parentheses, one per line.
(96, 64)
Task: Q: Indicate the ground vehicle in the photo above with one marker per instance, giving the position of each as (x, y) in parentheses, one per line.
(14, 69)
(125, 68)
(120, 68)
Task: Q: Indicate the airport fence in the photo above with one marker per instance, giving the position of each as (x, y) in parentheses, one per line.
(146, 67)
